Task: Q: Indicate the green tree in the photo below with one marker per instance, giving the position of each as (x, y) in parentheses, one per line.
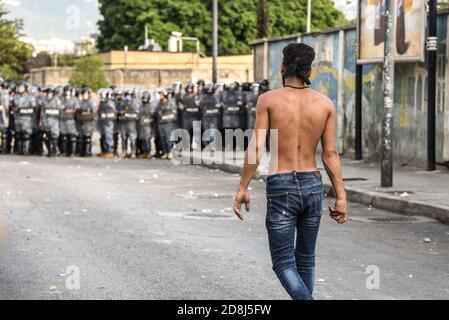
(64, 60)
(124, 21)
(13, 52)
(89, 72)
(262, 19)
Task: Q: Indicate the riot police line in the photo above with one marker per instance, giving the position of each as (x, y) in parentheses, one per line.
(61, 120)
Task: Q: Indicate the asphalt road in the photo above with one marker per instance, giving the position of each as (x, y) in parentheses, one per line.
(152, 230)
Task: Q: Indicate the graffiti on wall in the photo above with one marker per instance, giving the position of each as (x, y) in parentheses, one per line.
(410, 108)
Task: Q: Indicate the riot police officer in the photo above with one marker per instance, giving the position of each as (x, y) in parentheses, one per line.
(69, 131)
(130, 119)
(107, 116)
(251, 106)
(145, 128)
(85, 119)
(49, 120)
(200, 87)
(233, 108)
(264, 86)
(11, 141)
(119, 106)
(246, 92)
(190, 107)
(37, 135)
(22, 109)
(176, 93)
(4, 110)
(211, 109)
(167, 117)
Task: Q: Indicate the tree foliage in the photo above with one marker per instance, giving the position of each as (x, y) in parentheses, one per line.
(89, 72)
(13, 52)
(124, 21)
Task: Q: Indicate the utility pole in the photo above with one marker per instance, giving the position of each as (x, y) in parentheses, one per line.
(358, 112)
(309, 16)
(432, 47)
(388, 98)
(358, 101)
(215, 42)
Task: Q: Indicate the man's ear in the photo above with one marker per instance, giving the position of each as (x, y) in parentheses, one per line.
(309, 73)
(283, 68)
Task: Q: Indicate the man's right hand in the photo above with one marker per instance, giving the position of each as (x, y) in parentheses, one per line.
(339, 211)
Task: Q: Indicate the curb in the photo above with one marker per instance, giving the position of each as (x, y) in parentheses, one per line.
(375, 199)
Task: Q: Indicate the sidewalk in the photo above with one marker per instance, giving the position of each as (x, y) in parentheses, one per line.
(415, 192)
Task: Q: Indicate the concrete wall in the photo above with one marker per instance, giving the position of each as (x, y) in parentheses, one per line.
(334, 75)
(156, 69)
(49, 75)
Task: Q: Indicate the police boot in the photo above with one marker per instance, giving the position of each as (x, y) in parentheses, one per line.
(54, 147)
(26, 145)
(80, 146)
(48, 146)
(88, 147)
(71, 147)
(9, 137)
(115, 144)
(39, 145)
(63, 148)
(3, 145)
(18, 145)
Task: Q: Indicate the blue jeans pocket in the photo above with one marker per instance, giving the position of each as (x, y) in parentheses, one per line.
(317, 203)
(278, 206)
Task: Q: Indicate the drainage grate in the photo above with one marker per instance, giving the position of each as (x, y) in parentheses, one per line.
(393, 219)
(354, 179)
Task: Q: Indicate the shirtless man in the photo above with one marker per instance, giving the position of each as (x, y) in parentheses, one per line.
(302, 118)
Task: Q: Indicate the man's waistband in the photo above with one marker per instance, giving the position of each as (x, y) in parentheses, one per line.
(294, 176)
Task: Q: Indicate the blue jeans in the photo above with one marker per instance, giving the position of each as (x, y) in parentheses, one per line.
(294, 205)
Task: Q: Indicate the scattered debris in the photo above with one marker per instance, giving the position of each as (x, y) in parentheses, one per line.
(427, 240)
(53, 288)
(404, 195)
(321, 280)
(66, 213)
(84, 210)
(410, 276)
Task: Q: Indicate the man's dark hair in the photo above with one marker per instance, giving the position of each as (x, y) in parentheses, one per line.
(298, 59)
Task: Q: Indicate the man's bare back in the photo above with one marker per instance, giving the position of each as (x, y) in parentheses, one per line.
(300, 117)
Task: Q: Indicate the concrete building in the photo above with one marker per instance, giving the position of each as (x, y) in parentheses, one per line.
(334, 76)
(156, 69)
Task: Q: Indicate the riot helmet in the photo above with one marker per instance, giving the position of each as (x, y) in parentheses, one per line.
(22, 87)
(146, 97)
(68, 91)
(246, 86)
(201, 84)
(255, 88)
(190, 88)
(85, 93)
(209, 88)
(264, 85)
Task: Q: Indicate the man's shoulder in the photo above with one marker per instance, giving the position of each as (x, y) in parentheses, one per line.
(322, 99)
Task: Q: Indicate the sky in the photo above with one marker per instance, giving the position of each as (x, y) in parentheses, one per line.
(48, 19)
(74, 19)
